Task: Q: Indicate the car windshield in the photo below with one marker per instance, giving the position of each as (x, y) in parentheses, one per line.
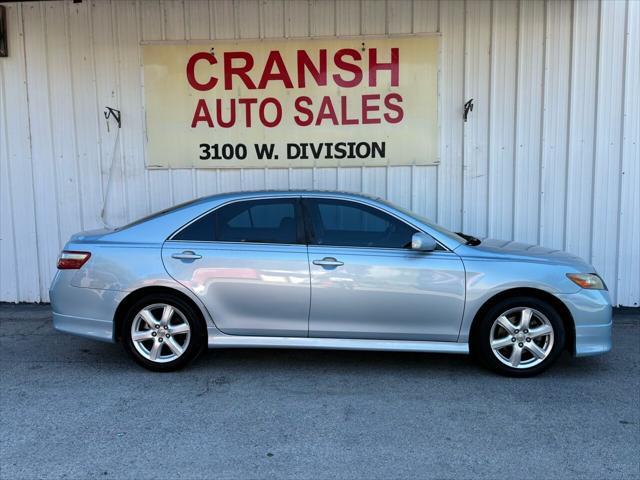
(425, 220)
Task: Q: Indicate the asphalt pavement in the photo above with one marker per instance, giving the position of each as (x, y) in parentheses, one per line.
(76, 408)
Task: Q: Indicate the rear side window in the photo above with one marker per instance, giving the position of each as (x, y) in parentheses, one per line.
(351, 224)
(202, 230)
(256, 221)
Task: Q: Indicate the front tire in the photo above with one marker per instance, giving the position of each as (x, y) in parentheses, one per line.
(519, 337)
(163, 332)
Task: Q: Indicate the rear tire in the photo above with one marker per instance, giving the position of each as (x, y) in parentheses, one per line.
(163, 332)
(519, 337)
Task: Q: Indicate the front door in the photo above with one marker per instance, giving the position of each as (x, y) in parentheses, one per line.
(366, 282)
(248, 263)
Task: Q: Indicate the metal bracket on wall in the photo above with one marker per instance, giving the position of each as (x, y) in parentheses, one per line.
(468, 107)
(112, 112)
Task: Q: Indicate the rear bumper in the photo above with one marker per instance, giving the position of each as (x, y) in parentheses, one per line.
(86, 312)
(84, 327)
(592, 314)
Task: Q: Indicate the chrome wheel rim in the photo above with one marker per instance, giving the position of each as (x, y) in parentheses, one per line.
(160, 333)
(521, 337)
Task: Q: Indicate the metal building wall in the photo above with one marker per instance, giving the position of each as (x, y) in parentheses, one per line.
(549, 154)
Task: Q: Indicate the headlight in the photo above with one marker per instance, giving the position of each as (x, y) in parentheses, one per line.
(590, 281)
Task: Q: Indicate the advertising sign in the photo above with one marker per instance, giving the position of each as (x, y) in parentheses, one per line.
(292, 103)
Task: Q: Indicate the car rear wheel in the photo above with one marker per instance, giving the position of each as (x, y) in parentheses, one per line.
(163, 332)
(520, 337)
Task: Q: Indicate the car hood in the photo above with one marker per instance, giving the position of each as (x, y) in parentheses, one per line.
(511, 250)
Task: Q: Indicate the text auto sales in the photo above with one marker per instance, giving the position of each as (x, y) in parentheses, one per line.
(352, 69)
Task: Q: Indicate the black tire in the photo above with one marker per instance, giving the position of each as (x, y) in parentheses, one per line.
(198, 335)
(481, 336)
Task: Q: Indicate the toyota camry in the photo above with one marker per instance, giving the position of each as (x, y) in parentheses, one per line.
(304, 269)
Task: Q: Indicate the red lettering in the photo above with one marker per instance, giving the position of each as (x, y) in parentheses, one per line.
(201, 114)
(262, 108)
(394, 107)
(247, 102)
(303, 110)
(240, 71)
(349, 67)
(319, 73)
(326, 111)
(366, 108)
(232, 113)
(343, 113)
(275, 60)
(191, 71)
(393, 67)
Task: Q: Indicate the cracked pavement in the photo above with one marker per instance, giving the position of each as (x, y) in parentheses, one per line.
(76, 408)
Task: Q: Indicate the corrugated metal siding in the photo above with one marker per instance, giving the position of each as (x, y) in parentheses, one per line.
(549, 154)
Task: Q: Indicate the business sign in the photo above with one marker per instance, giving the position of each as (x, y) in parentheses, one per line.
(299, 103)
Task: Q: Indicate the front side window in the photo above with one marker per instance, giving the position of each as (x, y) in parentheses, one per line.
(352, 224)
(256, 221)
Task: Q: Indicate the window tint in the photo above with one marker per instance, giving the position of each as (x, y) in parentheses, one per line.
(343, 223)
(202, 230)
(262, 221)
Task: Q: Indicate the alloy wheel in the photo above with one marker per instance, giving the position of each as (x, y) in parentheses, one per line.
(160, 333)
(521, 337)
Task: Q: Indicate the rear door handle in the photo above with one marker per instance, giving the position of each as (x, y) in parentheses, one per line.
(328, 262)
(186, 255)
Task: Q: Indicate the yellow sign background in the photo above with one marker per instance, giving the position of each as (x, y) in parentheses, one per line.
(171, 102)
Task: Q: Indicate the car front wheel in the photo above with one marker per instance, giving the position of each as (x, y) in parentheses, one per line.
(519, 337)
(163, 333)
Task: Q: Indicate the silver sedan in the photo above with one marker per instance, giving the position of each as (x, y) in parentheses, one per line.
(300, 269)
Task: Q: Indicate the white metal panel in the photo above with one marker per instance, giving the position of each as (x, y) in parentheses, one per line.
(425, 16)
(348, 20)
(223, 19)
(514, 57)
(528, 121)
(400, 16)
(555, 123)
(606, 193)
(502, 118)
(273, 18)
(451, 99)
(197, 19)
(19, 269)
(582, 129)
(296, 19)
(40, 123)
(373, 17)
(86, 129)
(477, 68)
(628, 281)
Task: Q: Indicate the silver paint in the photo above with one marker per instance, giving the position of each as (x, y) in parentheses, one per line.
(275, 295)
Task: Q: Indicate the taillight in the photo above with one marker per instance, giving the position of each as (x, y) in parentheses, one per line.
(69, 260)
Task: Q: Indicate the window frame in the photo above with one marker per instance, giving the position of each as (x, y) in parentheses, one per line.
(310, 231)
(301, 237)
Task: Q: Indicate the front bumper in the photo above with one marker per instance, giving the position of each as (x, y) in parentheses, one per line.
(592, 314)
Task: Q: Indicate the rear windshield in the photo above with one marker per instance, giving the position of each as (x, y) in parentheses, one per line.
(157, 214)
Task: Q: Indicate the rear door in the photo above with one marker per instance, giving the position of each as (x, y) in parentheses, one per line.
(367, 283)
(247, 261)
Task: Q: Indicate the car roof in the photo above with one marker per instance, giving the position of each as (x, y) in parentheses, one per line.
(290, 192)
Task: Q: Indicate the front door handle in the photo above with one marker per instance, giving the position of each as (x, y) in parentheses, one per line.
(186, 255)
(328, 262)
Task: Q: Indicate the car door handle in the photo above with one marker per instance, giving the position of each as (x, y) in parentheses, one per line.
(187, 255)
(328, 262)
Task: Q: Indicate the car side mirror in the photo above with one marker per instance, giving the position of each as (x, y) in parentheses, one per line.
(423, 242)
